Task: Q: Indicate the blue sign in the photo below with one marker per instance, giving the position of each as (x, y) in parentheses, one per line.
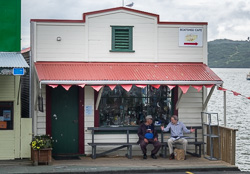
(18, 71)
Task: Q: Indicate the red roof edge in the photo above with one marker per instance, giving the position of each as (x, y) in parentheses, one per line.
(25, 50)
(119, 8)
(115, 9)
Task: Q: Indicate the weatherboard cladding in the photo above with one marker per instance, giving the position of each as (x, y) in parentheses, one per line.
(70, 71)
(12, 60)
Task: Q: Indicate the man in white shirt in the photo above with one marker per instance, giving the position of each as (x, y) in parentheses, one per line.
(177, 129)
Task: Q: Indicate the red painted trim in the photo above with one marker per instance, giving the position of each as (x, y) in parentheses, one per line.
(119, 8)
(56, 20)
(81, 120)
(48, 111)
(96, 112)
(191, 43)
(115, 9)
(175, 91)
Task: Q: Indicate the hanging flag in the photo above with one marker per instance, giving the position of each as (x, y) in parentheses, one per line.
(127, 87)
(141, 86)
(66, 87)
(112, 87)
(198, 87)
(208, 86)
(184, 88)
(222, 89)
(171, 86)
(53, 86)
(236, 93)
(97, 88)
(156, 86)
(82, 85)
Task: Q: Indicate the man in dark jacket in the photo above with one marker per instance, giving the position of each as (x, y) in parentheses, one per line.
(148, 134)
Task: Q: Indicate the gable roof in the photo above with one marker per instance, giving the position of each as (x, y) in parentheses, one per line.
(117, 9)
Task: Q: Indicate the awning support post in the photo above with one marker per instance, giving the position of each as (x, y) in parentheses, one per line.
(208, 98)
(225, 109)
(179, 100)
(98, 98)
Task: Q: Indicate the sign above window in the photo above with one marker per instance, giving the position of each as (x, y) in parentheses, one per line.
(191, 37)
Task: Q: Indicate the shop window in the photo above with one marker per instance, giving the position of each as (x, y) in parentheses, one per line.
(122, 39)
(6, 115)
(122, 108)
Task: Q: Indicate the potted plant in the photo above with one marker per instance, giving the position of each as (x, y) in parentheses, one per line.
(41, 149)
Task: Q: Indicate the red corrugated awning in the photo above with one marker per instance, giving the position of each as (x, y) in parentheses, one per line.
(125, 73)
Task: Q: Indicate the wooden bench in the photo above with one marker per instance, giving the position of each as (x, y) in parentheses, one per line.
(120, 145)
(196, 143)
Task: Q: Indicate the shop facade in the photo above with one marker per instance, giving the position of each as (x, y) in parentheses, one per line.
(15, 131)
(112, 68)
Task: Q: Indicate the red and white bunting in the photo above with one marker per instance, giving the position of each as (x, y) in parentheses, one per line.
(222, 89)
(156, 86)
(53, 86)
(97, 88)
(127, 87)
(234, 92)
(141, 86)
(66, 87)
(209, 86)
(82, 85)
(198, 87)
(171, 86)
(112, 87)
(184, 88)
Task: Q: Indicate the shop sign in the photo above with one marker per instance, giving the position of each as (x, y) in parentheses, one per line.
(18, 71)
(190, 37)
(12, 71)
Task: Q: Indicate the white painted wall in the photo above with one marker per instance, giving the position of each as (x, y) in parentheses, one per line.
(168, 45)
(70, 48)
(99, 37)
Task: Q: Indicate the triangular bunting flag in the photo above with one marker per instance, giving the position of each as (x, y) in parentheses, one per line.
(198, 87)
(156, 86)
(66, 87)
(97, 88)
(171, 86)
(112, 87)
(236, 93)
(127, 87)
(141, 86)
(82, 85)
(53, 86)
(184, 88)
(209, 86)
(222, 89)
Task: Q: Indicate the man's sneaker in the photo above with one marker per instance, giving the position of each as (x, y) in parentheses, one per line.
(153, 156)
(171, 157)
(144, 156)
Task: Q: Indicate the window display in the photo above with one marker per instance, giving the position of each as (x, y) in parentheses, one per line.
(122, 108)
(6, 115)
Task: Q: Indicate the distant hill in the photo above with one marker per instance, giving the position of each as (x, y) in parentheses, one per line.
(225, 53)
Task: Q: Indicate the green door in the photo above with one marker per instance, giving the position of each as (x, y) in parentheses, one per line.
(64, 115)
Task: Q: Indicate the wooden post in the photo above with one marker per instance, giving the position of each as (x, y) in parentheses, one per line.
(225, 110)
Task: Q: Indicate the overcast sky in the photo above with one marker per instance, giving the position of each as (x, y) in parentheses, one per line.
(226, 18)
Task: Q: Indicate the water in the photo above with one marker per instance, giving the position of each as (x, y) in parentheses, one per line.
(238, 110)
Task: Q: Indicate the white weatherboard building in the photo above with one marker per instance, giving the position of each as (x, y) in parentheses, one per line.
(112, 68)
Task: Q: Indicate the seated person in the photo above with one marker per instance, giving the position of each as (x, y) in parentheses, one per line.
(147, 134)
(177, 129)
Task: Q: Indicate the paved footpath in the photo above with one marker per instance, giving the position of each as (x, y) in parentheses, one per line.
(120, 165)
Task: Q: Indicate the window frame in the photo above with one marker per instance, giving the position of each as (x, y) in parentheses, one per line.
(11, 108)
(113, 42)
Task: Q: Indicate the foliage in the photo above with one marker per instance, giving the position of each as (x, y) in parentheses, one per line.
(41, 142)
(226, 53)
